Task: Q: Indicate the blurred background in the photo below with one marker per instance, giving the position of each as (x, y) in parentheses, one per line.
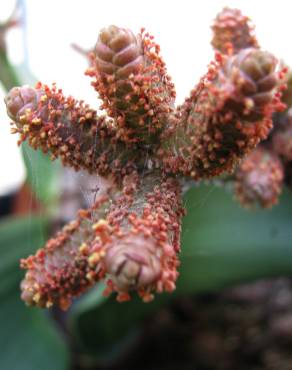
(211, 322)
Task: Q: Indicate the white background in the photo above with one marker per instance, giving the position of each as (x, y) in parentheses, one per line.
(182, 28)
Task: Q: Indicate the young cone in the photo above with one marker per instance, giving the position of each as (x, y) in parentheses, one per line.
(62, 269)
(143, 252)
(259, 179)
(67, 129)
(225, 117)
(131, 79)
(130, 238)
(232, 32)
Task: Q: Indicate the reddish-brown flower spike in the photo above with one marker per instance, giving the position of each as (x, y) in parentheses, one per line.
(226, 116)
(130, 238)
(259, 179)
(61, 270)
(143, 253)
(131, 79)
(67, 129)
(232, 32)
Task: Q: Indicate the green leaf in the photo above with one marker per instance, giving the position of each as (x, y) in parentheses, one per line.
(28, 338)
(8, 74)
(25, 74)
(42, 174)
(18, 238)
(222, 245)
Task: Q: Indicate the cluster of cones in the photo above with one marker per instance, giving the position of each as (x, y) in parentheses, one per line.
(147, 147)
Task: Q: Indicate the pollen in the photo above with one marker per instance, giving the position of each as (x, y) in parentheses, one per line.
(148, 149)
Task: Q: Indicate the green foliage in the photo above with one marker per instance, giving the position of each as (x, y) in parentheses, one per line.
(42, 174)
(28, 339)
(222, 245)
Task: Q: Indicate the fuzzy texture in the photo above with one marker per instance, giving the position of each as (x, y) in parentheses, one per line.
(129, 237)
(232, 31)
(143, 255)
(132, 81)
(148, 148)
(67, 129)
(259, 179)
(225, 117)
(61, 269)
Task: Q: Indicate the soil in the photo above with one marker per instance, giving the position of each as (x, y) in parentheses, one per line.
(244, 328)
